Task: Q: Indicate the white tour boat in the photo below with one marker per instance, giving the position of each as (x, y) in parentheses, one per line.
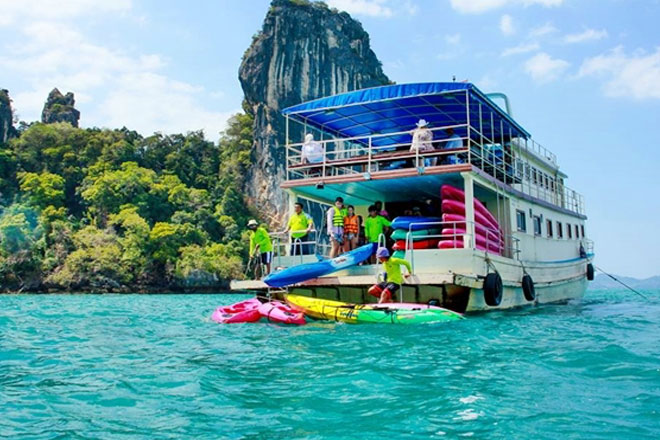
(501, 229)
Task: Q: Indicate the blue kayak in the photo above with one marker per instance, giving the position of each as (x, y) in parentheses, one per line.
(308, 271)
(405, 222)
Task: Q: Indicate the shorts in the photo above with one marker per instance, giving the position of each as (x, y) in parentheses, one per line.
(337, 234)
(350, 236)
(392, 287)
(266, 257)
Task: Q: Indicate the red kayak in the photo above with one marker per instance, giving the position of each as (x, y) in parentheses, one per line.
(244, 311)
(279, 312)
(400, 245)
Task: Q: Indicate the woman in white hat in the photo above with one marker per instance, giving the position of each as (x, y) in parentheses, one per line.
(422, 141)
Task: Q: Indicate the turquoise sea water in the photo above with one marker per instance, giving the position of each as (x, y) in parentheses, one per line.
(146, 367)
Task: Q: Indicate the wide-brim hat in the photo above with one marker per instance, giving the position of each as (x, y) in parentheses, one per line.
(253, 222)
(422, 123)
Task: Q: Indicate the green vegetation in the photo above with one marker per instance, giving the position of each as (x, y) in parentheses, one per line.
(111, 210)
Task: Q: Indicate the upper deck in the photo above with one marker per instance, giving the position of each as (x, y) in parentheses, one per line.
(366, 137)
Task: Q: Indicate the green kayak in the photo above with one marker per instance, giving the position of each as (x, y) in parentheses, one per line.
(387, 315)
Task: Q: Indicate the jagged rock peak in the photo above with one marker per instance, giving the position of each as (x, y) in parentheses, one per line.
(7, 130)
(60, 108)
(304, 51)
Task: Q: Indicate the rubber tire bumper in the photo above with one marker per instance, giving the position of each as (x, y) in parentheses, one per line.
(528, 288)
(493, 289)
(590, 272)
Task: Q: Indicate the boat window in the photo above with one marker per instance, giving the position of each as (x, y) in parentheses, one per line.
(577, 232)
(534, 177)
(582, 227)
(569, 230)
(548, 227)
(560, 231)
(537, 225)
(521, 221)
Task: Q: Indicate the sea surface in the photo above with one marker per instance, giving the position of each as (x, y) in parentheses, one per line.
(156, 366)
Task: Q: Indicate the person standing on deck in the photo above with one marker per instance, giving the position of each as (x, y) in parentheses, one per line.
(351, 229)
(300, 224)
(260, 242)
(312, 152)
(393, 278)
(379, 209)
(422, 142)
(374, 225)
(335, 224)
(453, 142)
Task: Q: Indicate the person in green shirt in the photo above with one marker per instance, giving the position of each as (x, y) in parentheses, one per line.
(260, 242)
(300, 224)
(374, 225)
(393, 277)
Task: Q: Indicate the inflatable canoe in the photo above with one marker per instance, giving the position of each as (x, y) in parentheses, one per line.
(308, 271)
(390, 313)
(400, 234)
(453, 193)
(276, 311)
(244, 311)
(413, 223)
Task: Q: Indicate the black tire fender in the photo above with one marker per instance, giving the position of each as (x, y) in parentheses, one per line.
(590, 272)
(528, 288)
(493, 289)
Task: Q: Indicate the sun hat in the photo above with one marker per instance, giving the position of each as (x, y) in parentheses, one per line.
(253, 222)
(309, 137)
(382, 252)
(422, 123)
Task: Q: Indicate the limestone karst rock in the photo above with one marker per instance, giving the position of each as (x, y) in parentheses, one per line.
(304, 51)
(60, 108)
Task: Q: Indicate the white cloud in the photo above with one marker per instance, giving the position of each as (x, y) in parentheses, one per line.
(543, 68)
(587, 35)
(520, 49)
(453, 39)
(113, 87)
(636, 75)
(506, 25)
(543, 30)
(14, 10)
(479, 6)
(371, 8)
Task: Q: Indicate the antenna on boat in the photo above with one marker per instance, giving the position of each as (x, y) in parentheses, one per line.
(622, 283)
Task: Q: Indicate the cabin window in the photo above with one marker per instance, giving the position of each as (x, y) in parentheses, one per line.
(534, 177)
(521, 221)
(560, 231)
(569, 230)
(582, 227)
(537, 225)
(577, 232)
(548, 227)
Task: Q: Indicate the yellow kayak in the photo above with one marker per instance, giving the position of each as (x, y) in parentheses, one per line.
(390, 313)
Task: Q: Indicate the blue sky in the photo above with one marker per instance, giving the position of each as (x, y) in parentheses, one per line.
(583, 77)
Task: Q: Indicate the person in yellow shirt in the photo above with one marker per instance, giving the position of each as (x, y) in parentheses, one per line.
(300, 224)
(393, 278)
(260, 242)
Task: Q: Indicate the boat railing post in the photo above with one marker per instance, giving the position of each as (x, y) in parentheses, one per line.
(369, 157)
(468, 242)
(409, 243)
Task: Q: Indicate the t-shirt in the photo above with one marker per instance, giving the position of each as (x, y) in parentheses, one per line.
(298, 224)
(260, 237)
(373, 227)
(393, 269)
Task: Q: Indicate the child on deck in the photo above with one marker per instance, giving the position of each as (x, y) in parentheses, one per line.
(393, 278)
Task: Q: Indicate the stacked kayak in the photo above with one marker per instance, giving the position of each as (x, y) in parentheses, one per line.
(253, 310)
(390, 313)
(423, 232)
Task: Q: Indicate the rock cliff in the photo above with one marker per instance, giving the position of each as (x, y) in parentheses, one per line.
(60, 108)
(7, 130)
(304, 51)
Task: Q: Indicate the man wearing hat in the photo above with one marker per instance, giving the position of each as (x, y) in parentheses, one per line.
(392, 274)
(422, 142)
(335, 223)
(260, 242)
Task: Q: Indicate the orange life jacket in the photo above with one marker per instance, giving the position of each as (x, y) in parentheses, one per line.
(351, 224)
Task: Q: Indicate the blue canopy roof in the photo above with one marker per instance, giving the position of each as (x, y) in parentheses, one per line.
(397, 108)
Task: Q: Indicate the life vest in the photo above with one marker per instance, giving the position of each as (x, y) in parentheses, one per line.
(351, 224)
(338, 218)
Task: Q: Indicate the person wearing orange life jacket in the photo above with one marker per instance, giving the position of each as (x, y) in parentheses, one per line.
(335, 226)
(351, 229)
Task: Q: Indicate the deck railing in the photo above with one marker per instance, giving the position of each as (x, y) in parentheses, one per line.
(514, 162)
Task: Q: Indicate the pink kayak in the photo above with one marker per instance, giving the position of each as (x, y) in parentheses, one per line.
(455, 207)
(458, 222)
(458, 244)
(277, 311)
(453, 193)
(244, 311)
